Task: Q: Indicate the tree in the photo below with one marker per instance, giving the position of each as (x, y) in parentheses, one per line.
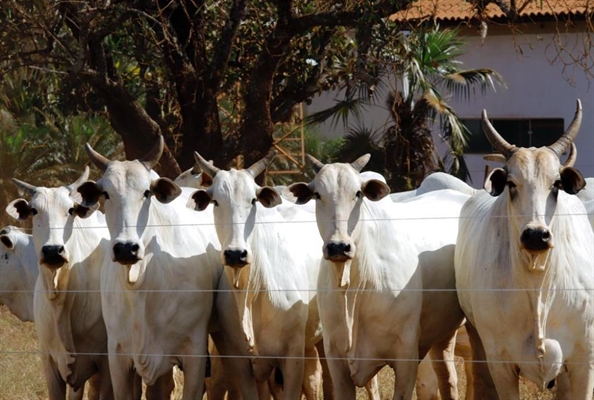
(424, 74)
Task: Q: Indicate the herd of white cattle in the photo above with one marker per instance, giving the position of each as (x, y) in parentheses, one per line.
(308, 290)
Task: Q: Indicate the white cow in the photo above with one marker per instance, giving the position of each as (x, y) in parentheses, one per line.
(69, 245)
(18, 272)
(158, 292)
(525, 269)
(432, 182)
(273, 266)
(373, 309)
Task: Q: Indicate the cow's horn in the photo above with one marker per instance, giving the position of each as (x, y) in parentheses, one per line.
(315, 164)
(572, 157)
(205, 166)
(562, 144)
(81, 179)
(500, 144)
(151, 159)
(96, 158)
(26, 188)
(500, 158)
(361, 162)
(258, 167)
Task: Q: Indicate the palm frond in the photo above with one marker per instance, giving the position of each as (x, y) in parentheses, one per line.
(463, 84)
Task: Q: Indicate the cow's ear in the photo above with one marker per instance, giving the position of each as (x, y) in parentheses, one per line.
(165, 190)
(298, 193)
(205, 180)
(7, 241)
(268, 196)
(19, 209)
(572, 180)
(199, 200)
(495, 182)
(84, 212)
(375, 189)
(87, 194)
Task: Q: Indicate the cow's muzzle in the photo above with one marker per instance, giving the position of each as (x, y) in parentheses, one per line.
(53, 256)
(536, 239)
(126, 253)
(338, 252)
(236, 258)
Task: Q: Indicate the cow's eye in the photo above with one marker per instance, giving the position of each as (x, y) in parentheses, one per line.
(214, 202)
(33, 211)
(558, 184)
(511, 185)
(316, 196)
(105, 195)
(254, 200)
(147, 194)
(358, 194)
(71, 211)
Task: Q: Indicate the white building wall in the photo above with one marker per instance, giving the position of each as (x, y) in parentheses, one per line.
(536, 88)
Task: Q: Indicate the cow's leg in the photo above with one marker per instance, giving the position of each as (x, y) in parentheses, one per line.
(344, 387)
(312, 375)
(78, 394)
(163, 387)
(236, 372)
(122, 376)
(444, 365)
(56, 386)
(484, 388)
(580, 373)
(103, 384)
(426, 385)
(327, 388)
(292, 368)
(506, 379)
(218, 383)
(194, 373)
(405, 367)
(372, 389)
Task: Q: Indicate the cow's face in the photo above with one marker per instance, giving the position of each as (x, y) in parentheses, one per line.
(531, 181)
(53, 212)
(235, 196)
(128, 188)
(339, 191)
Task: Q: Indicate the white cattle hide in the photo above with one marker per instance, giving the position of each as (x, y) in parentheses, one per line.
(67, 304)
(432, 182)
(525, 268)
(158, 292)
(272, 265)
(372, 273)
(18, 272)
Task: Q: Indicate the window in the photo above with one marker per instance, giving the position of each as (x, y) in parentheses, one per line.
(535, 132)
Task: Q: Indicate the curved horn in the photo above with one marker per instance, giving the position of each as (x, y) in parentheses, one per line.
(97, 159)
(500, 158)
(205, 166)
(258, 167)
(315, 164)
(151, 159)
(81, 179)
(361, 162)
(562, 144)
(26, 188)
(500, 144)
(572, 157)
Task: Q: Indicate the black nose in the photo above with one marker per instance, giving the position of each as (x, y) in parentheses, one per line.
(53, 256)
(338, 251)
(536, 239)
(235, 258)
(126, 253)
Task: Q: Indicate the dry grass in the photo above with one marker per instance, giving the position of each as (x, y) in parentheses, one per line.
(21, 377)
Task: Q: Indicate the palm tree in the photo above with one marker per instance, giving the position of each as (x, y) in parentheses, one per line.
(426, 75)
